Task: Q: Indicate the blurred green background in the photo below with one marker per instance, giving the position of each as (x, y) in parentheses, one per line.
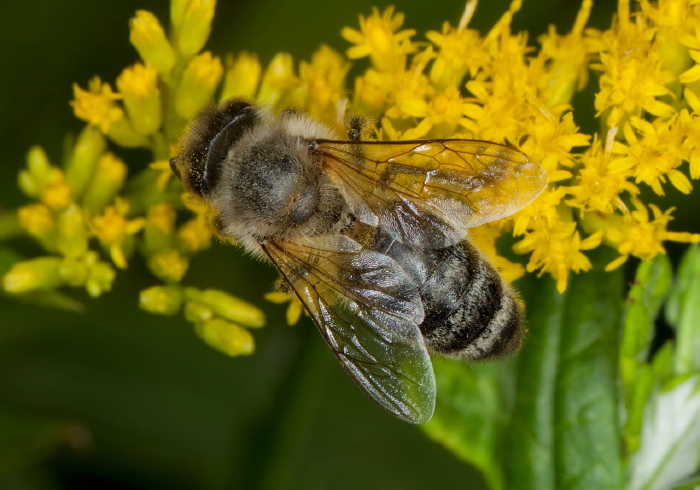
(117, 398)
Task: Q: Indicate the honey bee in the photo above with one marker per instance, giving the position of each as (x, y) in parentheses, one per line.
(371, 236)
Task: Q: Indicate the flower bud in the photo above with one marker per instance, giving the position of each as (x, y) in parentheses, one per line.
(30, 275)
(192, 22)
(161, 300)
(107, 182)
(148, 37)
(168, 265)
(228, 306)
(34, 179)
(123, 133)
(73, 272)
(159, 229)
(196, 312)
(199, 81)
(279, 80)
(138, 85)
(39, 222)
(195, 235)
(83, 159)
(227, 337)
(72, 233)
(242, 76)
(100, 280)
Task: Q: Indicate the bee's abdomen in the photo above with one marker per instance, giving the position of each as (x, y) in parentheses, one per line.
(469, 310)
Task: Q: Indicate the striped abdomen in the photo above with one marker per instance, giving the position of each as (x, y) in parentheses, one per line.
(470, 312)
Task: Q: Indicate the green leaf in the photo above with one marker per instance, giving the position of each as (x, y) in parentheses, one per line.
(670, 441)
(531, 427)
(643, 303)
(644, 300)
(668, 449)
(683, 313)
(586, 427)
(565, 422)
(557, 426)
(470, 412)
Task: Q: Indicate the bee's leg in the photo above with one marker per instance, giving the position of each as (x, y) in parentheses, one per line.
(356, 126)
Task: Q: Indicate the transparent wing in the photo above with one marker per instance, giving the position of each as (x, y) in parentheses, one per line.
(368, 311)
(429, 192)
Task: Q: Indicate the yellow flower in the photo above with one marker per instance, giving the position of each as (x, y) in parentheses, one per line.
(194, 235)
(458, 83)
(199, 81)
(690, 130)
(456, 55)
(57, 195)
(598, 187)
(380, 39)
(654, 157)
(322, 83)
(639, 236)
(138, 86)
(39, 221)
(169, 265)
(114, 230)
(372, 93)
(558, 251)
(552, 136)
(278, 81)
(632, 75)
(484, 238)
(408, 95)
(97, 105)
(158, 233)
(295, 308)
(566, 60)
(242, 76)
(692, 74)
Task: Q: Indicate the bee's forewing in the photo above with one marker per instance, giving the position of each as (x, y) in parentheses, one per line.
(368, 311)
(428, 193)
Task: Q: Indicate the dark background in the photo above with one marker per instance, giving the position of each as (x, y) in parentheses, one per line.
(117, 398)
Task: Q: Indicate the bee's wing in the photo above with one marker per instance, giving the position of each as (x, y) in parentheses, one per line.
(429, 192)
(368, 311)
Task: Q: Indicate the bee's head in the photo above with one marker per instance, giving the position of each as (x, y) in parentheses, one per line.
(207, 140)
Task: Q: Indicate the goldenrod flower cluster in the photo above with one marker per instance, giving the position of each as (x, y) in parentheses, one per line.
(457, 83)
